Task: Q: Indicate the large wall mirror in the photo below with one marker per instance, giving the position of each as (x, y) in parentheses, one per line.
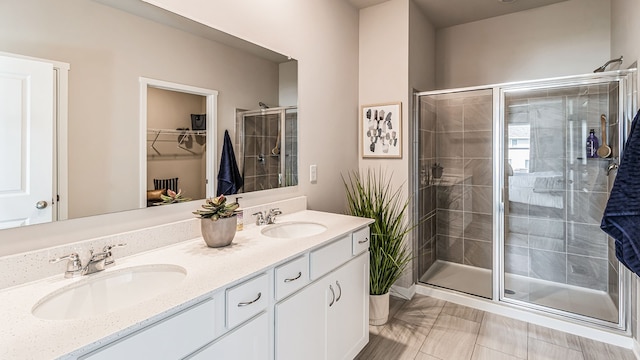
(109, 46)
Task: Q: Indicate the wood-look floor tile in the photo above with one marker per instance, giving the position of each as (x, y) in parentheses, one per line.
(451, 338)
(542, 350)
(464, 312)
(398, 340)
(423, 356)
(555, 337)
(594, 350)
(395, 304)
(421, 311)
(618, 353)
(504, 334)
(484, 353)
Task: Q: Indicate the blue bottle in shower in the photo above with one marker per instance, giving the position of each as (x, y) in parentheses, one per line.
(592, 145)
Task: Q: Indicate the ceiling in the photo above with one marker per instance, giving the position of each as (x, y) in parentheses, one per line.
(445, 13)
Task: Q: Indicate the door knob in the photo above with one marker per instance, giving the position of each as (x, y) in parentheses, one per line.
(41, 204)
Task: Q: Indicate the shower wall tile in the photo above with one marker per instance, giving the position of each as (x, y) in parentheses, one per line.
(426, 254)
(516, 260)
(590, 207)
(448, 118)
(449, 197)
(427, 144)
(478, 226)
(449, 223)
(548, 265)
(480, 199)
(590, 177)
(478, 144)
(589, 240)
(449, 249)
(611, 251)
(449, 145)
(481, 171)
(547, 234)
(587, 272)
(478, 253)
(550, 212)
(452, 167)
(478, 116)
(518, 209)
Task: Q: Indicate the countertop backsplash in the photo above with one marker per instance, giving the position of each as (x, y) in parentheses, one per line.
(34, 265)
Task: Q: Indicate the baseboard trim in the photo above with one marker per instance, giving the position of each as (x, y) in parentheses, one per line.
(403, 292)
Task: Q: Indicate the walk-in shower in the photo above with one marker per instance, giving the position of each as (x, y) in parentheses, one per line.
(512, 200)
(267, 150)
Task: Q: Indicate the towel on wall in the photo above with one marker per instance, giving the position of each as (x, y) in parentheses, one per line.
(621, 219)
(229, 178)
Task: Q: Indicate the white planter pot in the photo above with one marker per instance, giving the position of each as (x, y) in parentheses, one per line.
(378, 309)
(218, 233)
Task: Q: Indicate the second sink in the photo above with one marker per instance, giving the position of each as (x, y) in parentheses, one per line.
(108, 292)
(294, 229)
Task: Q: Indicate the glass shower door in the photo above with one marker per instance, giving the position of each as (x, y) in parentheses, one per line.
(556, 189)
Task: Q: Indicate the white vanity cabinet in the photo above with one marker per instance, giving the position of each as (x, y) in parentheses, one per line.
(327, 320)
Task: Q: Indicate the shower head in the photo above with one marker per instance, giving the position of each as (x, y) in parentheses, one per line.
(603, 67)
(263, 105)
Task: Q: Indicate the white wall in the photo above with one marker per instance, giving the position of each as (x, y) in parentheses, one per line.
(566, 38)
(323, 36)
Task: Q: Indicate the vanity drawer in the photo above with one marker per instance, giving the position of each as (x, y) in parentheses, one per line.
(292, 276)
(360, 240)
(330, 257)
(171, 338)
(246, 300)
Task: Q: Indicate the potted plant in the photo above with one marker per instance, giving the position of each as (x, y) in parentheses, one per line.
(218, 221)
(371, 195)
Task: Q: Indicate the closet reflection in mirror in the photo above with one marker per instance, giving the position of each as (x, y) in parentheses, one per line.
(109, 46)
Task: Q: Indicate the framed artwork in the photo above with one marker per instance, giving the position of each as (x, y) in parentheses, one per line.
(381, 130)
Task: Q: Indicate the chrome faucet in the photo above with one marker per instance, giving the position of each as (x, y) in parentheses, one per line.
(259, 218)
(97, 262)
(271, 216)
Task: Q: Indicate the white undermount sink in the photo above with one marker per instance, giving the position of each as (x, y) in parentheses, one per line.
(108, 291)
(293, 229)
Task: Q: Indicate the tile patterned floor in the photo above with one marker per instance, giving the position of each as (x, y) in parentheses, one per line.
(426, 328)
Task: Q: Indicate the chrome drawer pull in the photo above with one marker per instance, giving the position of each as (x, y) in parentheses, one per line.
(363, 241)
(250, 302)
(333, 296)
(295, 278)
(340, 294)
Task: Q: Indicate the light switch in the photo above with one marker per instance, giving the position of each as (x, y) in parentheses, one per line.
(313, 173)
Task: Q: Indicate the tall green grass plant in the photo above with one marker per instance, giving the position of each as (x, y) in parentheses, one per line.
(371, 195)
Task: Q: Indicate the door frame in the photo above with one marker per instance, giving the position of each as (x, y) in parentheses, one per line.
(212, 113)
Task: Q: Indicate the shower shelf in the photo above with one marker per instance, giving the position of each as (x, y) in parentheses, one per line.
(183, 138)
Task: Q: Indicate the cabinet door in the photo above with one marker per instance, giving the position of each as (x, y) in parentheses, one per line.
(348, 317)
(301, 323)
(248, 342)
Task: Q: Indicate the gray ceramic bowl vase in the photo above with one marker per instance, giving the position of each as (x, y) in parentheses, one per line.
(218, 233)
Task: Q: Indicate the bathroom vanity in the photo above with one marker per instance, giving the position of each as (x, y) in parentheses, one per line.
(282, 296)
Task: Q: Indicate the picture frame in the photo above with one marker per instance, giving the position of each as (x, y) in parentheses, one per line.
(381, 131)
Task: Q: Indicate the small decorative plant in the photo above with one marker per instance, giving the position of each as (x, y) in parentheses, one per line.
(172, 197)
(436, 170)
(216, 208)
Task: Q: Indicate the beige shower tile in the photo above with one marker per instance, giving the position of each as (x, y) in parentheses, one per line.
(451, 338)
(495, 329)
(484, 353)
(541, 350)
(398, 340)
(554, 337)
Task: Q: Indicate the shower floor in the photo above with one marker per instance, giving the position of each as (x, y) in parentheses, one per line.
(477, 281)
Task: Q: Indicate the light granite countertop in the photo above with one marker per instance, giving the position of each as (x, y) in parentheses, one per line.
(24, 336)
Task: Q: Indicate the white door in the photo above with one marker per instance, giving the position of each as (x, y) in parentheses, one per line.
(26, 141)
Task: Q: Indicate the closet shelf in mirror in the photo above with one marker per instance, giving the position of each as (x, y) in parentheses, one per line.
(187, 142)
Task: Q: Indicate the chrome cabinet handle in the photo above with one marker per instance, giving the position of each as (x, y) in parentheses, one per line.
(295, 278)
(340, 294)
(333, 296)
(363, 241)
(250, 302)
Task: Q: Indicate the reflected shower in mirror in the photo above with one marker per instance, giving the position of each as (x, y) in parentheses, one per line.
(109, 46)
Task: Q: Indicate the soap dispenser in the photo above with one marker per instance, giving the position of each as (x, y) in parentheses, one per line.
(592, 145)
(239, 215)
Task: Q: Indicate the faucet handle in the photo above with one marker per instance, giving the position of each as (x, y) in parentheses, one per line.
(107, 251)
(74, 266)
(259, 218)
